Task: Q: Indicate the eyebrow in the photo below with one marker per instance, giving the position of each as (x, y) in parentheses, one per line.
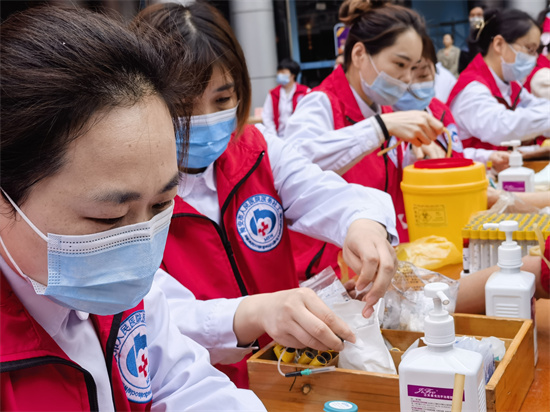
(120, 197)
(225, 87)
(404, 56)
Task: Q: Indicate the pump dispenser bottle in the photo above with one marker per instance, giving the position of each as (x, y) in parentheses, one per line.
(516, 178)
(427, 374)
(510, 292)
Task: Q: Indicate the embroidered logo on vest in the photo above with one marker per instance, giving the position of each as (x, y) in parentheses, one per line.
(260, 223)
(131, 355)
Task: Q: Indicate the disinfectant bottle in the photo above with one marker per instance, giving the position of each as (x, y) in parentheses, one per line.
(516, 178)
(510, 292)
(427, 374)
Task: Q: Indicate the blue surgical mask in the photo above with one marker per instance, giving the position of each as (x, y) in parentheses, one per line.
(424, 93)
(520, 68)
(103, 273)
(283, 79)
(209, 135)
(385, 90)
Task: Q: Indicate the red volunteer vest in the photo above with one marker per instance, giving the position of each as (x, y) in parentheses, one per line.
(37, 375)
(478, 71)
(249, 252)
(542, 62)
(441, 112)
(300, 92)
(312, 256)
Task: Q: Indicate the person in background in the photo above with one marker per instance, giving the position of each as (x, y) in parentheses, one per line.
(240, 192)
(421, 96)
(538, 82)
(281, 101)
(475, 19)
(88, 175)
(345, 121)
(488, 101)
(448, 55)
(444, 82)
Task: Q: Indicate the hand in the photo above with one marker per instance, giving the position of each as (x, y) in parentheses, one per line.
(431, 151)
(414, 126)
(297, 318)
(369, 254)
(500, 160)
(492, 196)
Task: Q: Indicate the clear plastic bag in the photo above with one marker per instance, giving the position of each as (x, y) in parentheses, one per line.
(327, 286)
(406, 305)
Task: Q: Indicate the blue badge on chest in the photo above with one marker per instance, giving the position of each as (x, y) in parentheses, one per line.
(131, 355)
(260, 223)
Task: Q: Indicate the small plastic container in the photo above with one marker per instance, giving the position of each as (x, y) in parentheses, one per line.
(340, 406)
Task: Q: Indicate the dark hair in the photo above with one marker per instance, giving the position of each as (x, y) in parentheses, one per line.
(376, 24)
(59, 68)
(291, 65)
(509, 23)
(210, 40)
(428, 49)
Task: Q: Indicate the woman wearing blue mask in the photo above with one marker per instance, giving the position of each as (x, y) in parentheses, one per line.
(88, 175)
(242, 190)
(342, 124)
(281, 101)
(488, 101)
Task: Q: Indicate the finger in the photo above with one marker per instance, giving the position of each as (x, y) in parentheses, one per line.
(427, 134)
(386, 270)
(435, 125)
(369, 266)
(418, 153)
(352, 259)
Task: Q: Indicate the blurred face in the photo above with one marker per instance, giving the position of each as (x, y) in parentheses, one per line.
(476, 12)
(122, 171)
(527, 44)
(287, 73)
(396, 60)
(219, 95)
(423, 71)
(447, 40)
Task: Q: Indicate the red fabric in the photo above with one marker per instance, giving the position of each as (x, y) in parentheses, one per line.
(542, 62)
(478, 71)
(438, 108)
(208, 258)
(275, 93)
(311, 255)
(57, 383)
(544, 269)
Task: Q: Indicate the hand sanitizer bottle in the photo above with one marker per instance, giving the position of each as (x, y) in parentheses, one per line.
(510, 292)
(427, 374)
(516, 178)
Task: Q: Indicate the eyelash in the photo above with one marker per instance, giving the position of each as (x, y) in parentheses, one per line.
(401, 65)
(112, 221)
(223, 100)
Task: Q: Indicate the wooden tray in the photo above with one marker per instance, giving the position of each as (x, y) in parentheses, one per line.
(380, 392)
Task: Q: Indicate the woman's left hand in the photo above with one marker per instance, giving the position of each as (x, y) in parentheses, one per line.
(369, 254)
(431, 151)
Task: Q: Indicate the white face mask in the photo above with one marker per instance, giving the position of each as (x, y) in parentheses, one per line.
(102, 273)
(385, 90)
(520, 68)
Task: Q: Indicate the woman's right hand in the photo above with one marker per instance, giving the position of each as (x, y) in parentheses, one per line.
(414, 126)
(500, 160)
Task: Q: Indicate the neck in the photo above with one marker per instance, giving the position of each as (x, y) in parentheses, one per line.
(288, 87)
(354, 80)
(493, 60)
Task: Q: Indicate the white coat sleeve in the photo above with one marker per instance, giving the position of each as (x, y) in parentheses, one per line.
(311, 130)
(477, 155)
(322, 204)
(479, 114)
(540, 83)
(267, 115)
(208, 322)
(182, 377)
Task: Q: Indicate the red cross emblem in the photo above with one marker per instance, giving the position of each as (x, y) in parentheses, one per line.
(143, 368)
(263, 229)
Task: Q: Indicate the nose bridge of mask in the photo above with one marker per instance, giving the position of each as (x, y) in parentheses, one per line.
(25, 218)
(212, 119)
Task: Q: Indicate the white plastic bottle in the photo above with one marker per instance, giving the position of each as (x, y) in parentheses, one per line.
(427, 374)
(510, 292)
(516, 178)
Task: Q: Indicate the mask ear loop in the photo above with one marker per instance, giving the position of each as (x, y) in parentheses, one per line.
(25, 218)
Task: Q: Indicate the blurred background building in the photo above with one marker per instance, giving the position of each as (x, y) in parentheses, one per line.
(304, 30)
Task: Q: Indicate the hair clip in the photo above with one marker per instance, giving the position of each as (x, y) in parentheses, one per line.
(481, 25)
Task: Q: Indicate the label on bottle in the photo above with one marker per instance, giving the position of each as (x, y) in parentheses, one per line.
(429, 398)
(513, 186)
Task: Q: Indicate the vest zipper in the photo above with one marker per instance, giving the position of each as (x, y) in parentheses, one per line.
(110, 349)
(222, 232)
(45, 360)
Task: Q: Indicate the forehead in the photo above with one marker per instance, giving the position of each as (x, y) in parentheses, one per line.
(532, 37)
(407, 44)
(476, 11)
(220, 77)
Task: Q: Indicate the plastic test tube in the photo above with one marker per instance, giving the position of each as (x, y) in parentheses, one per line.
(484, 251)
(474, 249)
(466, 251)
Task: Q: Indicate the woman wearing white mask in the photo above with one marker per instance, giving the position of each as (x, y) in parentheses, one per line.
(342, 124)
(88, 176)
(281, 101)
(488, 101)
(242, 190)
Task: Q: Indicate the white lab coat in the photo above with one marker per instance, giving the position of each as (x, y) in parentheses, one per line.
(316, 203)
(285, 111)
(479, 114)
(182, 377)
(443, 83)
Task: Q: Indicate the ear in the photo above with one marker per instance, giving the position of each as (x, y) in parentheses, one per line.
(499, 44)
(358, 53)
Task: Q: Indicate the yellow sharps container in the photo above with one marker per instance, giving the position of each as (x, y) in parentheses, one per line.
(440, 196)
